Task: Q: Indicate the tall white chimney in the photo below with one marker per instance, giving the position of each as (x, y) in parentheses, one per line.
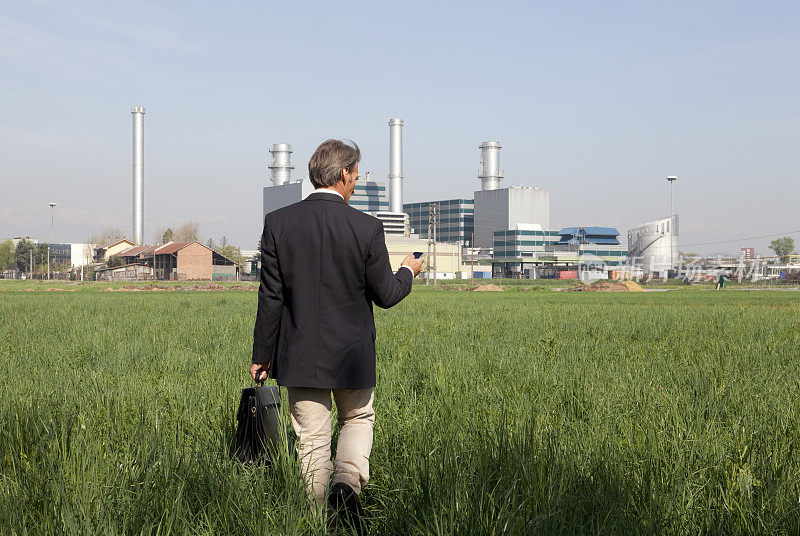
(281, 166)
(490, 165)
(395, 165)
(138, 175)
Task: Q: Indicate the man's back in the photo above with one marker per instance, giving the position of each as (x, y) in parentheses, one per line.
(323, 265)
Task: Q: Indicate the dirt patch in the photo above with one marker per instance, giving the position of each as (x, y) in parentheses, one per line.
(481, 288)
(206, 286)
(60, 290)
(173, 288)
(488, 288)
(607, 286)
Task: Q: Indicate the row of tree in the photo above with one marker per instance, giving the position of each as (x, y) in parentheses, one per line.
(25, 257)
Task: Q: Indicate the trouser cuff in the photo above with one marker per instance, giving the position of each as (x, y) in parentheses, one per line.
(351, 479)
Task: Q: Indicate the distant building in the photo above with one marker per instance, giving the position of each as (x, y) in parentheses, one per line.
(653, 246)
(394, 223)
(82, 254)
(103, 253)
(503, 208)
(191, 261)
(456, 220)
(748, 253)
(528, 251)
(525, 240)
(600, 242)
(60, 254)
(72, 255)
(17, 239)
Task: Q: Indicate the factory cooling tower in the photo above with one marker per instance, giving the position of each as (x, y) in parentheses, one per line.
(281, 166)
(490, 165)
(138, 175)
(395, 165)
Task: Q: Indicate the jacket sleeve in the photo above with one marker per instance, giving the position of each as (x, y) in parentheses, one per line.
(385, 288)
(270, 300)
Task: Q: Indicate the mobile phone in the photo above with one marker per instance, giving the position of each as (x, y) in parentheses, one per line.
(418, 254)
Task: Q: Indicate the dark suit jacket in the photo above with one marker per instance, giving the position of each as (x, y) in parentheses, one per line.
(323, 265)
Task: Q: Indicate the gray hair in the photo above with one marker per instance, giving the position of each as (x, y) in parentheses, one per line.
(331, 157)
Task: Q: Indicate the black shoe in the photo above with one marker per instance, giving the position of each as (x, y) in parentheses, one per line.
(346, 507)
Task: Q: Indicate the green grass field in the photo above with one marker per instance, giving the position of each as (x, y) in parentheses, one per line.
(497, 413)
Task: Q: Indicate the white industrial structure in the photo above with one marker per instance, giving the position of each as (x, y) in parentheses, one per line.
(503, 208)
(396, 165)
(490, 175)
(281, 166)
(653, 246)
(138, 174)
(394, 223)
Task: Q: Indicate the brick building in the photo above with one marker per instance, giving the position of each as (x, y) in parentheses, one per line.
(184, 261)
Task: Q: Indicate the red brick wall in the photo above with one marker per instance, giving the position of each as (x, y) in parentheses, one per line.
(194, 263)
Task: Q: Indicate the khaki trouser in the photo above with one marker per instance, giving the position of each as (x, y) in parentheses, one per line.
(311, 419)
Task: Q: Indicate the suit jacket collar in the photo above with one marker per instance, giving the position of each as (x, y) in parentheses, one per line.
(326, 196)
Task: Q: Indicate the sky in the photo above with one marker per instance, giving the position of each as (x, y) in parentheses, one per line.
(597, 102)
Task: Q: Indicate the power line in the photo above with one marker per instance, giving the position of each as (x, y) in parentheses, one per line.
(740, 239)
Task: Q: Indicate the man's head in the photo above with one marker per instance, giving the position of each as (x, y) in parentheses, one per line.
(335, 165)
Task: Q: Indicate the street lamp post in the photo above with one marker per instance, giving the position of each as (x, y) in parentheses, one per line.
(52, 217)
(671, 179)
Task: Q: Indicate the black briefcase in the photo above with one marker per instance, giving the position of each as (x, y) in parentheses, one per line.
(257, 430)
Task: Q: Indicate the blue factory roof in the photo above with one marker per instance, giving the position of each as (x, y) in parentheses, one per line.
(588, 235)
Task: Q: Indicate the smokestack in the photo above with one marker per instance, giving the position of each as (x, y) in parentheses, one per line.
(281, 167)
(138, 175)
(395, 165)
(490, 161)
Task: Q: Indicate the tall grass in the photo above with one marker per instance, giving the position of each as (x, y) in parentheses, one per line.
(497, 413)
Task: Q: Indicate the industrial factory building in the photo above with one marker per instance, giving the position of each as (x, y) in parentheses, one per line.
(502, 209)
(525, 240)
(653, 246)
(375, 199)
(493, 209)
(528, 251)
(509, 226)
(456, 220)
(589, 245)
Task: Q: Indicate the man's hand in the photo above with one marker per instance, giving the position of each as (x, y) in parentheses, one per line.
(259, 371)
(414, 264)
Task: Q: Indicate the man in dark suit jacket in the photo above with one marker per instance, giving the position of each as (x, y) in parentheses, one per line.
(323, 265)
